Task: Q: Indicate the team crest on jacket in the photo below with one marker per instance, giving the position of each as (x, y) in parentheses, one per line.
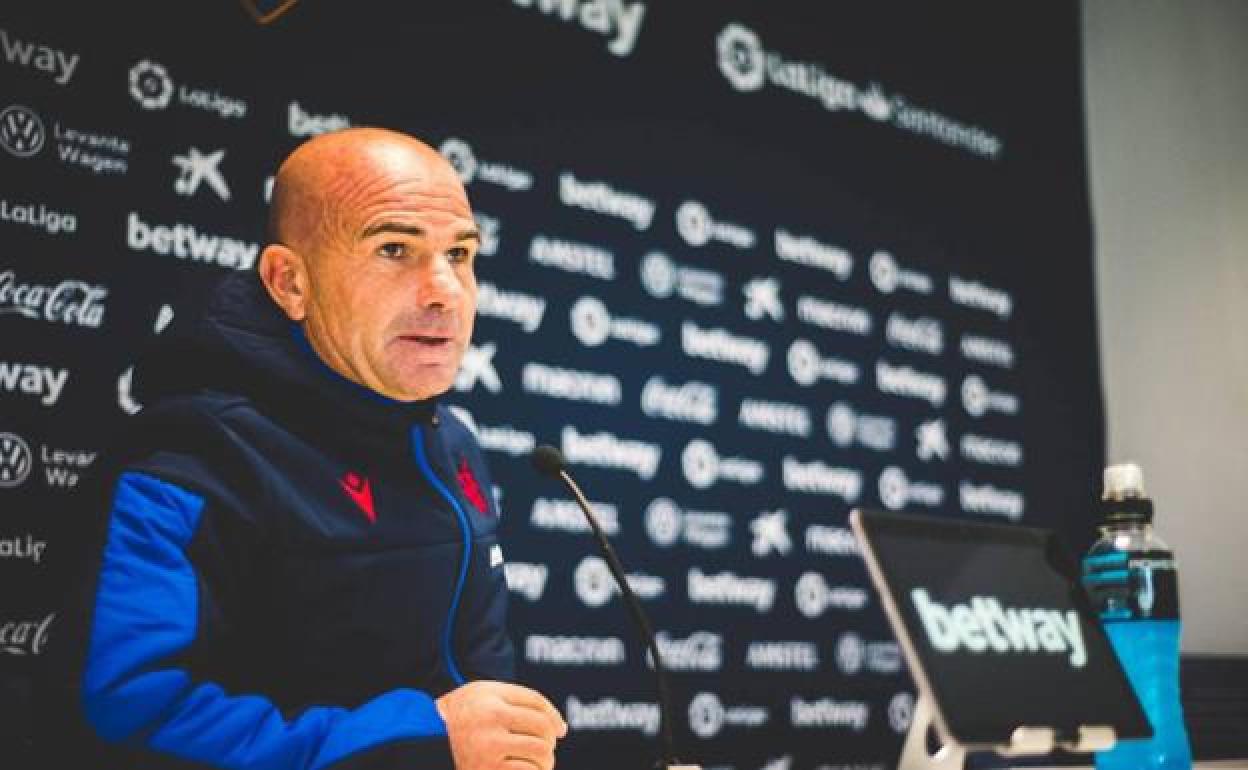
(472, 490)
(360, 491)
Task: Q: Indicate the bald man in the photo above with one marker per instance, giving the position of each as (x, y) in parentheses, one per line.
(301, 567)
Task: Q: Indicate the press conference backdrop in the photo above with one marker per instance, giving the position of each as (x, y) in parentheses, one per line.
(747, 265)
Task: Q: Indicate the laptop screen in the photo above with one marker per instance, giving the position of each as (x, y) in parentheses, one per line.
(1001, 628)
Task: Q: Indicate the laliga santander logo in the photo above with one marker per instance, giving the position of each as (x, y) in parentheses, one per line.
(741, 57)
(150, 85)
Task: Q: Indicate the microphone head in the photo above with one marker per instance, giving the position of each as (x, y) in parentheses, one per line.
(548, 460)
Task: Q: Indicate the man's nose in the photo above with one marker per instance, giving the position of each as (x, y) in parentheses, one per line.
(436, 282)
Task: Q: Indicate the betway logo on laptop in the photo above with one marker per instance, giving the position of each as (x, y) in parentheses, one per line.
(982, 625)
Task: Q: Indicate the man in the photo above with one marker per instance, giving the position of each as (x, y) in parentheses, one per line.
(301, 568)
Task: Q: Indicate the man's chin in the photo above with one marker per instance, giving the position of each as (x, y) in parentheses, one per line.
(420, 388)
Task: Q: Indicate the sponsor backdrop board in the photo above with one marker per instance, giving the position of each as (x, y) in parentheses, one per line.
(747, 265)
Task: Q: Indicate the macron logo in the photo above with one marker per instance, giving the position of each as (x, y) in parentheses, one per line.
(982, 625)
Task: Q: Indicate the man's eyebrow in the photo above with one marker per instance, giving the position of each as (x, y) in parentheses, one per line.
(392, 227)
(470, 234)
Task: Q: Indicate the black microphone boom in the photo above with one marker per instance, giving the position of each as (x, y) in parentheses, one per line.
(549, 461)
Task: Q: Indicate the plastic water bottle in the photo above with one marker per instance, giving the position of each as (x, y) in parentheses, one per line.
(1132, 580)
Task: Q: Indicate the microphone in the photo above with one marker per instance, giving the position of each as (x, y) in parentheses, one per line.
(550, 462)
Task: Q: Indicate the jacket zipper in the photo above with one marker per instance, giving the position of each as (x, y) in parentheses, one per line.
(422, 460)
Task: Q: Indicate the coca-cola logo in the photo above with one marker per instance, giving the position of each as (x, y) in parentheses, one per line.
(69, 302)
(24, 637)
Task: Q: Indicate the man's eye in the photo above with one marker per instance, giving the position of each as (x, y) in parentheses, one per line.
(392, 250)
(459, 254)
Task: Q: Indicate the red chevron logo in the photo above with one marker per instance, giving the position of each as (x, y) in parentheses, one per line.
(360, 490)
(472, 490)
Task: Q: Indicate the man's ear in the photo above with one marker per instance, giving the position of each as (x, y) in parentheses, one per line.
(285, 275)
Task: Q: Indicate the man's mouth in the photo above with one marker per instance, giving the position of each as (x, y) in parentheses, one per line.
(431, 341)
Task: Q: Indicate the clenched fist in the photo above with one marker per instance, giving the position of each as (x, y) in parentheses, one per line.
(500, 726)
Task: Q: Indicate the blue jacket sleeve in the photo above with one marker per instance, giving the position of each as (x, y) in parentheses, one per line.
(145, 615)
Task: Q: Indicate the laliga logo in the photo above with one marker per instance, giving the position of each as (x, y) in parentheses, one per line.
(693, 222)
(703, 466)
(490, 228)
(807, 366)
(459, 154)
(894, 488)
(21, 131)
(16, 460)
(706, 715)
(593, 325)
(741, 57)
(884, 271)
(591, 321)
(814, 596)
(593, 581)
(698, 228)
(466, 164)
(978, 399)
(595, 585)
(900, 712)
(700, 462)
(150, 85)
(897, 491)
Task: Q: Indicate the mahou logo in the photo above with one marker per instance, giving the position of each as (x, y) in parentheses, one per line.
(69, 302)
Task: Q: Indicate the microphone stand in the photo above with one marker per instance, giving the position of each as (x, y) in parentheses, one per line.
(668, 761)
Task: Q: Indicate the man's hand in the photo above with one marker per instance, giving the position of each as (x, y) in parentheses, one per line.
(500, 726)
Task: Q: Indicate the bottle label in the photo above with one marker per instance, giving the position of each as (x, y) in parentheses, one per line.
(1133, 586)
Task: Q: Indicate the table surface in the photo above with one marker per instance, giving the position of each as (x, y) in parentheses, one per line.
(1209, 764)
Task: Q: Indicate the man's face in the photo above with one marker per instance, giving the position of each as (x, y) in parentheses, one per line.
(393, 293)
